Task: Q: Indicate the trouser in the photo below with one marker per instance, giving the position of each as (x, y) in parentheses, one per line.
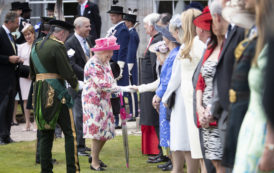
(78, 119)
(130, 103)
(66, 122)
(158, 136)
(6, 112)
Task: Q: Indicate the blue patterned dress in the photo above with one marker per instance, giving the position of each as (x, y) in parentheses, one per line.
(164, 79)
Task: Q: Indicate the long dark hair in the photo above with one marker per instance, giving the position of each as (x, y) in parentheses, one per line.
(213, 39)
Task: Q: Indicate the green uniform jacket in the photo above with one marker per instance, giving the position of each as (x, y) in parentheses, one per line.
(47, 105)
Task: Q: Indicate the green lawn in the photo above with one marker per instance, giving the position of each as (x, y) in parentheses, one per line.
(20, 157)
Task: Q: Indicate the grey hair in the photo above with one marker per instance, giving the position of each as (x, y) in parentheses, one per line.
(152, 19)
(216, 7)
(57, 29)
(175, 24)
(79, 21)
(11, 17)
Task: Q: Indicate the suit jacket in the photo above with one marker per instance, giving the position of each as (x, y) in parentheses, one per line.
(122, 35)
(92, 12)
(222, 78)
(132, 52)
(78, 60)
(7, 72)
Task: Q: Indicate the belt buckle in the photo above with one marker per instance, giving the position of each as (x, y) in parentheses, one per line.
(232, 96)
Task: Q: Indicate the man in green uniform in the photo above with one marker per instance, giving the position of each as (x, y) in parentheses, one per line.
(50, 69)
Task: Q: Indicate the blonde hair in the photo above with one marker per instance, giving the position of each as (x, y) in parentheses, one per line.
(28, 27)
(189, 30)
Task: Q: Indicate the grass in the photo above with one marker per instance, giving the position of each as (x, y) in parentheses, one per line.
(20, 157)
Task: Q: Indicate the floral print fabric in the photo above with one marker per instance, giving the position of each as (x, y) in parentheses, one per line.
(98, 119)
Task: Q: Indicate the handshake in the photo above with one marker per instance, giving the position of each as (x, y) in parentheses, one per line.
(130, 88)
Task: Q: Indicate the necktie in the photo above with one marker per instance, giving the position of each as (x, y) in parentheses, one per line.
(12, 42)
(87, 52)
(229, 30)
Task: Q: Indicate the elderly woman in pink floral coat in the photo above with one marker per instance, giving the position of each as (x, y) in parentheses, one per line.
(99, 83)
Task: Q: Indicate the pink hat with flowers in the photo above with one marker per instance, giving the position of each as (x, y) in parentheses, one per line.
(103, 44)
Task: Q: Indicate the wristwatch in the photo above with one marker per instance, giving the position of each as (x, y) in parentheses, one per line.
(269, 147)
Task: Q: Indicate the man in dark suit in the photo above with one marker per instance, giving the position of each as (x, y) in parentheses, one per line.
(222, 78)
(78, 49)
(8, 59)
(120, 31)
(91, 11)
(25, 18)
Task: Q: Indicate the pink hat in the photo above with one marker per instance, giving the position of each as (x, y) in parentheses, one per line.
(108, 43)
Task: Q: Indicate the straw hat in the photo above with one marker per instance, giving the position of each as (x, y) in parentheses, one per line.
(235, 13)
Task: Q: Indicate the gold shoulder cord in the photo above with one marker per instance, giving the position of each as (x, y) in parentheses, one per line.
(55, 39)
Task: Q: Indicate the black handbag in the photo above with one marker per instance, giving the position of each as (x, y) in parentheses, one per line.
(171, 100)
(22, 70)
(115, 103)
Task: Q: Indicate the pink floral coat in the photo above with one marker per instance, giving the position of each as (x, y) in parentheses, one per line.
(98, 119)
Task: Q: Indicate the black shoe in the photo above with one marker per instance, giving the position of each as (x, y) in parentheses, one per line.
(8, 140)
(118, 127)
(2, 142)
(158, 160)
(98, 169)
(82, 153)
(155, 157)
(168, 168)
(164, 165)
(14, 124)
(87, 149)
(132, 119)
(102, 164)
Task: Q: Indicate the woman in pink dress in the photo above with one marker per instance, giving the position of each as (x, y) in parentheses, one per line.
(99, 84)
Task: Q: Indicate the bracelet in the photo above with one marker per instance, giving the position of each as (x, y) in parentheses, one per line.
(269, 147)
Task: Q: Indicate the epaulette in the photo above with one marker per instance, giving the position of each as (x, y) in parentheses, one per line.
(55, 39)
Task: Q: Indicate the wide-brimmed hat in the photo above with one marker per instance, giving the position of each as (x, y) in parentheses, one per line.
(50, 7)
(103, 44)
(159, 46)
(204, 20)
(61, 24)
(25, 7)
(116, 10)
(235, 13)
(16, 6)
(165, 32)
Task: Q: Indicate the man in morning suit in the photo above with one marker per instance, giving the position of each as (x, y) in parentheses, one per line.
(121, 32)
(130, 20)
(8, 60)
(78, 49)
(25, 18)
(50, 68)
(91, 11)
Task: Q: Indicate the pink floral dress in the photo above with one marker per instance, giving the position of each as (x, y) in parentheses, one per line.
(98, 119)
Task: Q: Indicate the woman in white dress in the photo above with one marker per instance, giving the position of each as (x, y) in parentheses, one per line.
(25, 83)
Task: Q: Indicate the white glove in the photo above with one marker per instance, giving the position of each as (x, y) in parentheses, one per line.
(120, 75)
(126, 89)
(81, 84)
(121, 65)
(130, 66)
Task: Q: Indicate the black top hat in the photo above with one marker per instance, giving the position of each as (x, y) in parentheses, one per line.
(50, 7)
(16, 6)
(47, 19)
(25, 7)
(130, 17)
(61, 24)
(116, 10)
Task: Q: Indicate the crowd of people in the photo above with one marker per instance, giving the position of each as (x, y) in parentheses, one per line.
(205, 84)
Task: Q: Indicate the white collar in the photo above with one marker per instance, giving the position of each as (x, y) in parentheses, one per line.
(80, 38)
(131, 28)
(118, 24)
(85, 3)
(6, 29)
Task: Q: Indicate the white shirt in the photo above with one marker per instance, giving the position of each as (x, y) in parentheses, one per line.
(8, 32)
(82, 41)
(83, 7)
